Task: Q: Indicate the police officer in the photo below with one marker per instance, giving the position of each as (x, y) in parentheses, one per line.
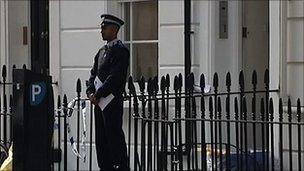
(110, 66)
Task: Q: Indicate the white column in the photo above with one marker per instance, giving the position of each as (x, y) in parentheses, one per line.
(3, 33)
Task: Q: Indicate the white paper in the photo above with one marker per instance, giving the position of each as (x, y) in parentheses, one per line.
(207, 88)
(103, 101)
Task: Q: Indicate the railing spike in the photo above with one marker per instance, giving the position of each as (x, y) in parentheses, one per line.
(131, 86)
(254, 80)
(202, 82)
(58, 101)
(289, 111)
(190, 81)
(78, 86)
(299, 110)
(228, 79)
(180, 77)
(65, 99)
(241, 80)
(24, 66)
(4, 73)
(130, 82)
(155, 83)
(150, 87)
(141, 84)
(266, 77)
(168, 80)
(215, 80)
(176, 83)
(163, 84)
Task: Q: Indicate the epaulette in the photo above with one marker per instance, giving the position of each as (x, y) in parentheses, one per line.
(119, 44)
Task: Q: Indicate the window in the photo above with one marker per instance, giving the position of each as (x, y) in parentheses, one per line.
(140, 34)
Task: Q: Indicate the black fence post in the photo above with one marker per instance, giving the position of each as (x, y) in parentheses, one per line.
(4, 75)
(271, 117)
(11, 119)
(281, 133)
(211, 132)
(163, 124)
(78, 90)
(156, 125)
(149, 154)
(91, 136)
(266, 82)
(228, 85)
(179, 102)
(59, 126)
(219, 108)
(5, 120)
(244, 103)
(215, 86)
(135, 115)
(289, 112)
(130, 81)
(203, 136)
(253, 109)
(65, 139)
(141, 85)
(236, 117)
(299, 133)
(262, 108)
(242, 89)
(194, 124)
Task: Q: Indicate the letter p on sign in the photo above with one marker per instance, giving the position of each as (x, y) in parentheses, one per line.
(37, 93)
(36, 90)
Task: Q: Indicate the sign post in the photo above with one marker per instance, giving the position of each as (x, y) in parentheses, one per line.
(33, 108)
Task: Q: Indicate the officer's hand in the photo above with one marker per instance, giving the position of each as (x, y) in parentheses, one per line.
(92, 99)
(95, 101)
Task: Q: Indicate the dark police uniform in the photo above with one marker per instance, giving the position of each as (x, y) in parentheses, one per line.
(110, 66)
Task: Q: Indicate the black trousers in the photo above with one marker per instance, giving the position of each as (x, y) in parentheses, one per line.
(110, 139)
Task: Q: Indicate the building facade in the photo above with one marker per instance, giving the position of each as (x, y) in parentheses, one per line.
(257, 35)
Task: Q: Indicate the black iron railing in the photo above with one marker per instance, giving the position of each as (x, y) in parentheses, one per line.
(170, 127)
(240, 137)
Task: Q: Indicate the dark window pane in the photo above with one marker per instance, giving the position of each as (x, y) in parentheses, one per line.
(145, 60)
(127, 21)
(145, 20)
(128, 73)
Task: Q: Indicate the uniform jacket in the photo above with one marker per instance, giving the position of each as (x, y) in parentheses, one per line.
(110, 66)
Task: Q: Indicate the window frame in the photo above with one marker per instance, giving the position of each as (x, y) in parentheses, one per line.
(131, 42)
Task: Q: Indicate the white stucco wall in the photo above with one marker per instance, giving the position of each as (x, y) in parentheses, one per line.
(75, 39)
(3, 33)
(295, 46)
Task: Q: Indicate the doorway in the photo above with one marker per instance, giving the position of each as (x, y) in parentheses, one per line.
(28, 35)
(255, 54)
(255, 40)
(40, 36)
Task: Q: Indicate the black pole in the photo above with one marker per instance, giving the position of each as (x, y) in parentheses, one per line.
(187, 60)
(187, 20)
